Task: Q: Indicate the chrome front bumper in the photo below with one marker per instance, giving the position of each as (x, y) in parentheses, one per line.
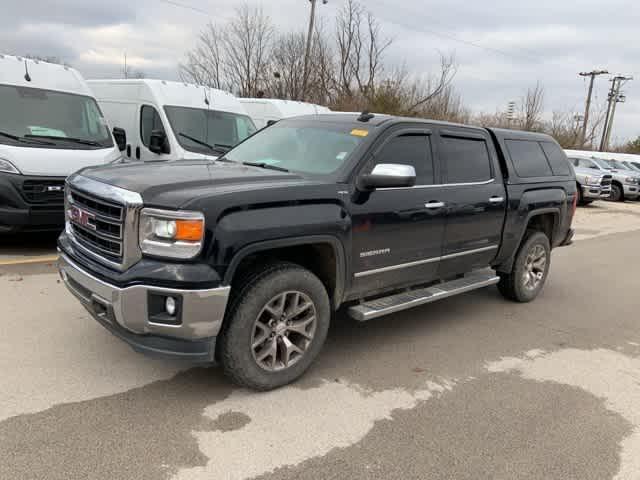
(631, 190)
(594, 192)
(125, 312)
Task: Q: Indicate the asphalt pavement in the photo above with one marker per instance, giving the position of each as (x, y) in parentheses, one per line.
(472, 387)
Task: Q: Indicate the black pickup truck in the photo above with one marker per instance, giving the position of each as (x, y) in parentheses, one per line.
(244, 260)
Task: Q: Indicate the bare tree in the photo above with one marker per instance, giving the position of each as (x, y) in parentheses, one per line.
(247, 43)
(287, 64)
(426, 90)
(203, 65)
(531, 108)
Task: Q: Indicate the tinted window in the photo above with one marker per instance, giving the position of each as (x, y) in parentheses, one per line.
(465, 160)
(414, 150)
(557, 158)
(149, 121)
(528, 158)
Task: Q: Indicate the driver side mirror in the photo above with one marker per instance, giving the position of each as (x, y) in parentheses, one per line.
(120, 136)
(388, 175)
(158, 142)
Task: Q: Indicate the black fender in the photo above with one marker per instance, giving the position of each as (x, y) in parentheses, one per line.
(533, 203)
(334, 242)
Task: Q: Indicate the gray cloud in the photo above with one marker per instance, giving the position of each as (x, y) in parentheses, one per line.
(519, 43)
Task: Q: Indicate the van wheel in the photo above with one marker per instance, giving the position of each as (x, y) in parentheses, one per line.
(529, 271)
(617, 194)
(275, 327)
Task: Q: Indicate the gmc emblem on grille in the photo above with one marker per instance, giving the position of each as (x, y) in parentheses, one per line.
(54, 188)
(82, 217)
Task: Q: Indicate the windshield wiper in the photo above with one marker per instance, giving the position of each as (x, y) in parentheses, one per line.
(266, 165)
(81, 141)
(25, 140)
(214, 148)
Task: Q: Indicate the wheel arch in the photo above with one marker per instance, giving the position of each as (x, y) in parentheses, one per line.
(321, 254)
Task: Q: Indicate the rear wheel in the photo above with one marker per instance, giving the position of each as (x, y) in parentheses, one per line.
(275, 328)
(530, 269)
(617, 193)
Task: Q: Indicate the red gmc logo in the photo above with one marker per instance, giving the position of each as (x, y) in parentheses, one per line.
(82, 217)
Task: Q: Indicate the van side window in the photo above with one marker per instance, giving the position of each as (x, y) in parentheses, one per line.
(414, 150)
(465, 160)
(149, 121)
(528, 158)
(557, 158)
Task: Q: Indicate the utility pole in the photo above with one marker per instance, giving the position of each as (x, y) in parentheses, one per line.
(312, 19)
(592, 74)
(615, 97)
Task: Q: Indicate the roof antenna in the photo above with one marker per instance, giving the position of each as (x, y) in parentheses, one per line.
(365, 116)
(27, 77)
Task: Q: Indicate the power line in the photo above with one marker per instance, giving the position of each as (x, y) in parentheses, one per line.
(188, 7)
(449, 36)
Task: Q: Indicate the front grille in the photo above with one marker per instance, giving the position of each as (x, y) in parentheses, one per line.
(43, 191)
(606, 180)
(98, 225)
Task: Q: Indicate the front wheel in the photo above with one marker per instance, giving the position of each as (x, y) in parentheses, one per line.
(617, 193)
(275, 327)
(530, 269)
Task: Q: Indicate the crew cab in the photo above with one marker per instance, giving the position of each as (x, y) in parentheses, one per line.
(593, 184)
(625, 184)
(243, 260)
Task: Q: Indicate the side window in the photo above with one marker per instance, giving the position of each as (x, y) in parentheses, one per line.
(528, 158)
(465, 160)
(149, 121)
(557, 158)
(414, 150)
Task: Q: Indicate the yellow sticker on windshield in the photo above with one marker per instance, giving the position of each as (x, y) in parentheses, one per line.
(356, 132)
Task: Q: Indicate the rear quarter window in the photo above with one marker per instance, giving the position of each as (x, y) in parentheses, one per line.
(557, 158)
(529, 160)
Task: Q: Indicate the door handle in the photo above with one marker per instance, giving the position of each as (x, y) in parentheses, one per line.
(434, 205)
(496, 200)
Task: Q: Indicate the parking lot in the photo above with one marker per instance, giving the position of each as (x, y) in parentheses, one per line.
(470, 387)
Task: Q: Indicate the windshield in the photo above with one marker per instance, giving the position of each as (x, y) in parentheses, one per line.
(629, 166)
(606, 164)
(196, 128)
(60, 120)
(313, 148)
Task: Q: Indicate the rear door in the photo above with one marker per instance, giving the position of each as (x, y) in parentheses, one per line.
(475, 199)
(397, 232)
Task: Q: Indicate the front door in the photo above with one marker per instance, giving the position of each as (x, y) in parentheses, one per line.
(475, 198)
(398, 232)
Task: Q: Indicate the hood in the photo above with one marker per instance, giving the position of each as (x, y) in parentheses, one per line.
(590, 171)
(55, 162)
(172, 184)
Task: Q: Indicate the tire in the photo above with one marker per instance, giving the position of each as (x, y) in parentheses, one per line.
(617, 193)
(587, 202)
(267, 297)
(515, 285)
(580, 195)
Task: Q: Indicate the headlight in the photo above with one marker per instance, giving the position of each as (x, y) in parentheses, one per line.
(594, 180)
(631, 180)
(7, 166)
(165, 233)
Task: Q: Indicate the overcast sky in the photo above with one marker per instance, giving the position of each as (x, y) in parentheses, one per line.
(523, 42)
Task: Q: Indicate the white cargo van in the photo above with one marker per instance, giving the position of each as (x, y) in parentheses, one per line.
(166, 120)
(50, 126)
(264, 110)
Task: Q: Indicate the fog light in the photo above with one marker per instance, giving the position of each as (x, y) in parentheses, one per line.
(170, 306)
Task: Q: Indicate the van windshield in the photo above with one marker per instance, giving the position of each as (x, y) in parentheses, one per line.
(196, 128)
(308, 147)
(33, 117)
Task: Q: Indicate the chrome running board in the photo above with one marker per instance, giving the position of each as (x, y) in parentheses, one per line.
(414, 298)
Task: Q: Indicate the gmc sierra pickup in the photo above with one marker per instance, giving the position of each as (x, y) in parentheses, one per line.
(243, 260)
